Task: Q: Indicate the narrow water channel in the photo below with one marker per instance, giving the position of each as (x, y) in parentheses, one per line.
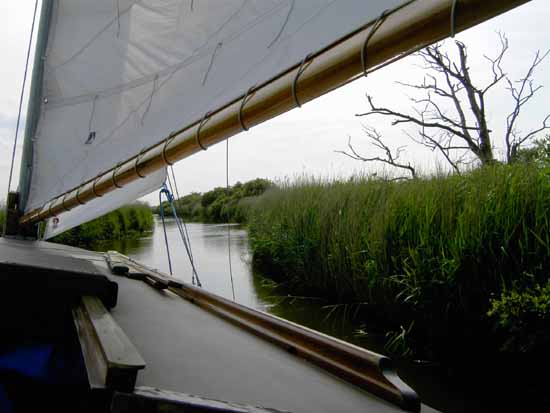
(209, 244)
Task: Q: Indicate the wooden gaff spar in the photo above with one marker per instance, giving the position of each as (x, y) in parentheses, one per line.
(399, 33)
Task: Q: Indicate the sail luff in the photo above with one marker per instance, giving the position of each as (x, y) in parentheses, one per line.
(35, 98)
(404, 30)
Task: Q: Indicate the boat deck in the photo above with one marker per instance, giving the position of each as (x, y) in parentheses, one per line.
(192, 351)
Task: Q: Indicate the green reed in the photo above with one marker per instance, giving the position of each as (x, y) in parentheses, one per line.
(435, 251)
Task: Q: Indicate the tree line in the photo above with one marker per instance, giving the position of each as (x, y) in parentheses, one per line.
(220, 204)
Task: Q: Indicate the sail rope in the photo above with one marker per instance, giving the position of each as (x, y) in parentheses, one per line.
(161, 213)
(284, 24)
(218, 46)
(227, 215)
(21, 98)
(182, 229)
(184, 225)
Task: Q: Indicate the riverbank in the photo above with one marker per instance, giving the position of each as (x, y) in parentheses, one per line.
(447, 266)
(130, 221)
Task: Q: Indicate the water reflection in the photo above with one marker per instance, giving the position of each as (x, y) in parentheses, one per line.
(209, 243)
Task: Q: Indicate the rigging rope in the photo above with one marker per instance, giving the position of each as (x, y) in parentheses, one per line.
(183, 224)
(182, 228)
(161, 212)
(227, 213)
(21, 99)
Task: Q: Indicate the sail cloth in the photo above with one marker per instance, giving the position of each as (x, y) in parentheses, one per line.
(121, 75)
(100, 206)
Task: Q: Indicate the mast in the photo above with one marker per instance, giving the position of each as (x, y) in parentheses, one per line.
(393, 36)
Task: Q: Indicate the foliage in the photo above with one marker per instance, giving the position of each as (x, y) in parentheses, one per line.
(433, 251)
(126, 222)
(220, 204)
(538, 153)
(522, 313)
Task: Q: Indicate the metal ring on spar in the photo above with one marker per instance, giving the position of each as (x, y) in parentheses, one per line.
(63, 202)
(205, 119)
(113, 177)
(453, 18)
(167, 142)
(136, 169)
(249, 94)
(50, 207)
(301, 70)
(375, 27)
(78, 196)
(93, 187)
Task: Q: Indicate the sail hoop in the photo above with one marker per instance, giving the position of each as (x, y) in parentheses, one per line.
(63, 203)
(94, 190)
(372, 31)
(406, 29)
(249, 94)
(205, 119)
(78, 197)
(303, 66)
(50, 208)
(453, 18)
(136, 164)
(166, 143)
(114, 176)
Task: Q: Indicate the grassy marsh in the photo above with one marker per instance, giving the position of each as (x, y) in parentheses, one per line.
(431, 257)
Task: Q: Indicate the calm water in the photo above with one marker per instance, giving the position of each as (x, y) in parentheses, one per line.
(210, 249)
(209, 244)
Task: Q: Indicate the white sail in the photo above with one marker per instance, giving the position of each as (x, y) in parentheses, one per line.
(120, 75)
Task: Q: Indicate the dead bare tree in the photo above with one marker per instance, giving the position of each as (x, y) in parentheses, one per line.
(451, 116)
(390, 158)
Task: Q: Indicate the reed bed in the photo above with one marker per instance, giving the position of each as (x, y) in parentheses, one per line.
(436, 258)
(126, 222)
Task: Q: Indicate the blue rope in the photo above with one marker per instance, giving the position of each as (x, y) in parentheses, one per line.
(165, 191)
(182, 228)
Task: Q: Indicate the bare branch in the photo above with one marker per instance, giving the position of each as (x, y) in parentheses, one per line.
(496, 63)
(521, 95)
(403, 118)
(390, 157)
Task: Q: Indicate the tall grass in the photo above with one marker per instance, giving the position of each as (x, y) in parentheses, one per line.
(126, 222)
(433, 252)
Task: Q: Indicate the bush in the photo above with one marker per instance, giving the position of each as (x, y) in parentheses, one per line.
(126, 222)
(522, 315)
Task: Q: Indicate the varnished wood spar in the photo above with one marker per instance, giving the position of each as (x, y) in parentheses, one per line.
(368, 370)
(404, 30)
(111, 359)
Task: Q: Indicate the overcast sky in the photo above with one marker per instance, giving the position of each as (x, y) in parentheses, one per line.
(303, 141)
